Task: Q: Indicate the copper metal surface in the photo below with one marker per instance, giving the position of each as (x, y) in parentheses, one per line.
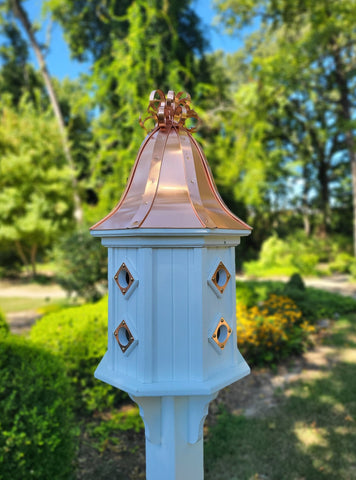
(123, 336)
(222, 333)
(170, 185)
(221, 277)
(123, 278)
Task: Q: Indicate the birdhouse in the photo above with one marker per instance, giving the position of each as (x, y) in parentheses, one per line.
(171, 268)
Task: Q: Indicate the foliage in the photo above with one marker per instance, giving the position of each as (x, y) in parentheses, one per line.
(314, 304)
(79, 336)
(353, 270)
(302, 254)
(37, 437)
(82, 264)
(271, 331)
(342, 263)
(137, 47)
(4, 327)
(17, 76)
(296, 105)
(317, 304)
(35, 187)
(284, 257)
(128, 419)
(295, 283)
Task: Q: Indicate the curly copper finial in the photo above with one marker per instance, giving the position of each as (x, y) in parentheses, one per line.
(170, 110)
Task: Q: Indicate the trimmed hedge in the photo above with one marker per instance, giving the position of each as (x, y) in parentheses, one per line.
(37, 436)
(79, 336)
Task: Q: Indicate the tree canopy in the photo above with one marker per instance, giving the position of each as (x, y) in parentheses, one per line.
(303, 56)
(35, 189)
(278, 114)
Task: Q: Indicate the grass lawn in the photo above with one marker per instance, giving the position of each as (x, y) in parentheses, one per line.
(19, 304)
(312, 435)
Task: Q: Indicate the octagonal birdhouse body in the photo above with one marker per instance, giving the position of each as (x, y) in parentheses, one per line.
(171, 255)
(171, 312)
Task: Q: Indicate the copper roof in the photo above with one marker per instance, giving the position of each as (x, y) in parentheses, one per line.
(170, 185)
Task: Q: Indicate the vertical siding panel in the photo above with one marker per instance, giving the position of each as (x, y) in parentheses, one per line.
(115, 307)
(145, 314)
(232, 304)
(196, 300)
(162, 314)
(111, 305)
(180, 288)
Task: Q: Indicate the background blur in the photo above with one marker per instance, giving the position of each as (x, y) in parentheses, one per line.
(274, 84)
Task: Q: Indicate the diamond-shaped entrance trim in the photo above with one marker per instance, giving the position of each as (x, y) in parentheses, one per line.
(222, 333)
(124, 336)
(123, 278)
(221, 277)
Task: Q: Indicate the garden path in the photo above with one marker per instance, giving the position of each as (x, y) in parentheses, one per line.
(337, 283)
(21, 321)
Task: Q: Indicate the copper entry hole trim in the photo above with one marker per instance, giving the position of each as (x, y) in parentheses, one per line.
(221, 277)
(123, 278)
(123, 336)
(222, 333)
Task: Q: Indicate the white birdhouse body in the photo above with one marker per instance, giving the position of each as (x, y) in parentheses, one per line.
(172, 324)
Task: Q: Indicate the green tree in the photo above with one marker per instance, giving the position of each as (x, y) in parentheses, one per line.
(36, 198)
(17, 76)
(16, 11)
(138, 46)
(317, 45)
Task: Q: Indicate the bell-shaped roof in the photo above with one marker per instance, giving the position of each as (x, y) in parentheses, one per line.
(170, 185)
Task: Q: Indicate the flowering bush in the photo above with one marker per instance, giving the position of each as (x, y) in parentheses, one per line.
(272, 330)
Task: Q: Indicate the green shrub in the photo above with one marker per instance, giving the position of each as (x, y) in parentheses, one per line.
(82, 265)
(246, 294)
(316, 304)
(253, 292)
(284, 257)
(79, 336)
(4, 327)
(343, 263)
(313, 303)
(37, 438)
(107, 431)
(353, 270)
(295, 282)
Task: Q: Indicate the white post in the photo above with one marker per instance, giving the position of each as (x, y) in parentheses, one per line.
(174, 436)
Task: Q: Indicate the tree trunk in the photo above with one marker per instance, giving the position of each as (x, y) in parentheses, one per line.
(33, 259)
(306, 223)
(324, 194)
(345, 104)
(305, 203)
(22, 16)
(22, 255)
(353, 179)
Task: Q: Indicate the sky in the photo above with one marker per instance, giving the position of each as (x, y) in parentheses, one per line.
(59, 61)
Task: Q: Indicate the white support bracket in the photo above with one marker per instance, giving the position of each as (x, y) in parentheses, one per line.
(174, 435)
